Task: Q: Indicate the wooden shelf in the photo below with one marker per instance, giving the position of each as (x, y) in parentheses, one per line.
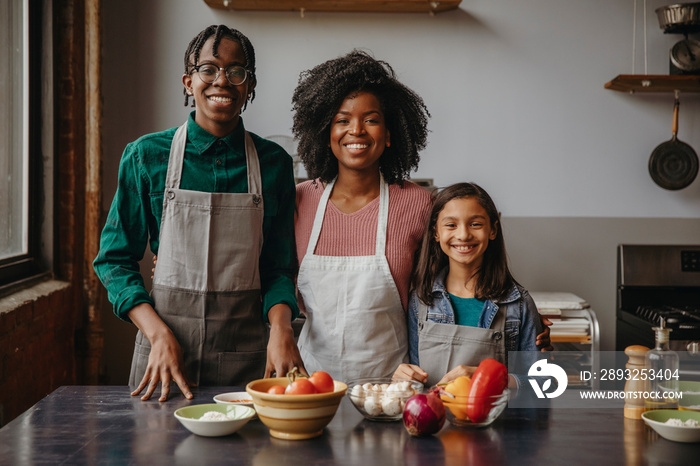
(654, 83)
(373, 6)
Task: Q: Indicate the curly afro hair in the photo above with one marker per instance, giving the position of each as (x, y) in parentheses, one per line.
(219, 32)
(320, 93)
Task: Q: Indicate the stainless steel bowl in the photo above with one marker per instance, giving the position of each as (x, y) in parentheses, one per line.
(680, 18)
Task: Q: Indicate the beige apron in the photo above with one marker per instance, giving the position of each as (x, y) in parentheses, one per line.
(442, 347)
(206, 284)
(355, 323)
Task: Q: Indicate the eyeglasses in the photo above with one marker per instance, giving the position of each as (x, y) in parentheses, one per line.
(209, 73)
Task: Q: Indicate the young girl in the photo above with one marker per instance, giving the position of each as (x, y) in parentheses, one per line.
(465, 305)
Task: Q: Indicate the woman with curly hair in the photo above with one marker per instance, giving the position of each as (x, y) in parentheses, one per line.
(359, 221)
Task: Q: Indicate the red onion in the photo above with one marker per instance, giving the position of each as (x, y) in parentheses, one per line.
(424, 414)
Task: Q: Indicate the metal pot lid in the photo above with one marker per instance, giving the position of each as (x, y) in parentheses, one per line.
(673, 165)
(685, 55)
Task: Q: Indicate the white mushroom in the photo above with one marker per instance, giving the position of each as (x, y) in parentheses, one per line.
(391, 406)
(372, 406)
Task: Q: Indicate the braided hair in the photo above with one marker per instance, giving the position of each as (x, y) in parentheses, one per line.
(322, 90)
(219, 32)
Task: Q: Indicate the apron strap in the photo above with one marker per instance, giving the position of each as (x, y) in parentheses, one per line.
(382, 217)
(253, 164)
(318, 218)
(422, 312)
(177, 157)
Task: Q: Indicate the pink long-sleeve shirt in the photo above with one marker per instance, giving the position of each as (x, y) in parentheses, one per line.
(355, 234)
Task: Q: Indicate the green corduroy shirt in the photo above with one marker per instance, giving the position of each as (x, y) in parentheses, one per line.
(211, 164)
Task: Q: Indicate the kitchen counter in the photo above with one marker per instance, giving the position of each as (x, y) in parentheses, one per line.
(105, 425)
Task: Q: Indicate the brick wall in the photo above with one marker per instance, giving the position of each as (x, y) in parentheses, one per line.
(36, 345)
(45, 328)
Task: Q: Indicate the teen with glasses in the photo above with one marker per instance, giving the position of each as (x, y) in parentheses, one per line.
(216, 204)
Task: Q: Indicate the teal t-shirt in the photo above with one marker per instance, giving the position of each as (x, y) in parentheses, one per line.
(467, 310)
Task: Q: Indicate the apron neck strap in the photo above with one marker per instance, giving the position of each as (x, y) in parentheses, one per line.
(177, 158)
(382, 217)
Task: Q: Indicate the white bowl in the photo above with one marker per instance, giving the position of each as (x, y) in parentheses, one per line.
(234, 398)
(656, 419)
(237, 415)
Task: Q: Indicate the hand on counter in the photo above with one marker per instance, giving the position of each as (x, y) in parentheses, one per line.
(165, 361)
(282, 351)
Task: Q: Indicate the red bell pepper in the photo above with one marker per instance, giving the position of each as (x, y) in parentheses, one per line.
(489, 379)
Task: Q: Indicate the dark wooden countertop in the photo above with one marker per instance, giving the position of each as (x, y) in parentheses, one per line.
(105, 425)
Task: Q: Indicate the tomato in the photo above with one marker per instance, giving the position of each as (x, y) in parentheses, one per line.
(301, 386)
(489, 379)
(277, 389)
(322, 381)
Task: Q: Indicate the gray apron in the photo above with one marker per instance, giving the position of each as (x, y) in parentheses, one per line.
(442, 347)
(206, 285)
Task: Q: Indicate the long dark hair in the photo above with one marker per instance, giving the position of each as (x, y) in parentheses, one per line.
(494, 280)
(322, 89)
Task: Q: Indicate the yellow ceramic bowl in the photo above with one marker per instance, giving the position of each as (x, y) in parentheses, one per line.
(294, 417)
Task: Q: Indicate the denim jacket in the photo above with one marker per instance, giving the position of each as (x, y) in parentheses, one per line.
(522, 325)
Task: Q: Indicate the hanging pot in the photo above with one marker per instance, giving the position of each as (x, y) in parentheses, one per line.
(674, 164)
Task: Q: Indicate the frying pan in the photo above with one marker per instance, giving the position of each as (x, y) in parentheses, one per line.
(674, 164)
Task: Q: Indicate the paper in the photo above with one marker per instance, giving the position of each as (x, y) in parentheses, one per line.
(558, 300)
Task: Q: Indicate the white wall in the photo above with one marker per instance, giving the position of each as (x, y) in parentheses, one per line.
(515, 89)
(516, 93)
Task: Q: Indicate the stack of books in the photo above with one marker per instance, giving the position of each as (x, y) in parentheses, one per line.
(550, 305)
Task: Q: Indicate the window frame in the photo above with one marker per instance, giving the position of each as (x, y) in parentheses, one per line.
(21, 268)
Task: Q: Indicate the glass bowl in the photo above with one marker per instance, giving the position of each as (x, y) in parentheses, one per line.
(489, 408)
(382, 399)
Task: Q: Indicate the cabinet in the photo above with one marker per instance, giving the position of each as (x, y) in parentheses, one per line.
(383, 6)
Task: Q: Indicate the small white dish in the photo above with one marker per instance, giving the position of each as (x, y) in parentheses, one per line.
(234, 398)
(656, 419)
(237, 417)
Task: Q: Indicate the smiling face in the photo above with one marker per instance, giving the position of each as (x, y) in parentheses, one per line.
(218, 105)
(359, 134)
(464, 230)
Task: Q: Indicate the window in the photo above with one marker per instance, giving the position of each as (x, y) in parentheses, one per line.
(20, 133)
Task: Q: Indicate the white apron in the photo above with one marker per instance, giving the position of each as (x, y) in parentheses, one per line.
(355, 324)
(206, 284)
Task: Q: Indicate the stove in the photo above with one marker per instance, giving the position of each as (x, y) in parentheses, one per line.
(657, 282)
